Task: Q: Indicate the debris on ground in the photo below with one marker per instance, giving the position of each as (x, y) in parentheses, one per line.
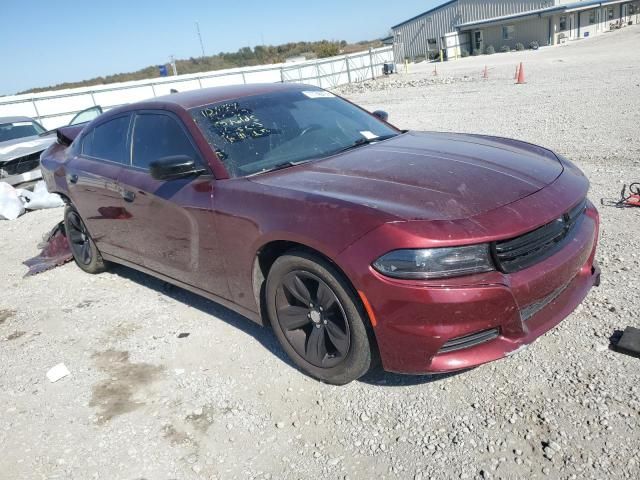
(15, 201)
(629, 342)
(55, 252)
(40, 198)
(11, 207)
(631, 199)
(56, 373)
(395, 83)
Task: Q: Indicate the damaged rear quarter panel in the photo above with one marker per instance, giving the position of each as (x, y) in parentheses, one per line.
(52, 165)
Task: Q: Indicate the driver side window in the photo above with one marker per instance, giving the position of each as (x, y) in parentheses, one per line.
(156, 136)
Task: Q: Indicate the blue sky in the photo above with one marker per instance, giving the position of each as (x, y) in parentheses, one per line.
(45, 42)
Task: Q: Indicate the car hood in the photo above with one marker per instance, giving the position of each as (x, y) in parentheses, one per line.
(20, 147)
(427, 176)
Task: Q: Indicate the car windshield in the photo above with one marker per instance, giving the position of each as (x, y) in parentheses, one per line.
(265, 132)
(13, 130)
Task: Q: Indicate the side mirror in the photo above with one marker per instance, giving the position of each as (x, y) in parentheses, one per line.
(171, 168)
(382, 115)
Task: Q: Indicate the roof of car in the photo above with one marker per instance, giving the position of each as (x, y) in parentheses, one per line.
(205, 96)
(15, 119)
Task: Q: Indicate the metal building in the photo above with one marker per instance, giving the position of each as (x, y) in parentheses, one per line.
(470, 26)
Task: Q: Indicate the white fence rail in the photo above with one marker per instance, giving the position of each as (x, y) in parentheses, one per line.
(56, 108)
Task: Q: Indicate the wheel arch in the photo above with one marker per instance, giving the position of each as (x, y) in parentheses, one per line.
(65, 198)
(271, 251)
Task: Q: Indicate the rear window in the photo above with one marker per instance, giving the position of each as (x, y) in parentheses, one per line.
(108, 141)
(14, 130)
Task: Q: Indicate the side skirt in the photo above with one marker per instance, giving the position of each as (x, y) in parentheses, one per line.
(253, 316)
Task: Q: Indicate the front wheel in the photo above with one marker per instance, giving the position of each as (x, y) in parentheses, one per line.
(84, 250)
(317, 318)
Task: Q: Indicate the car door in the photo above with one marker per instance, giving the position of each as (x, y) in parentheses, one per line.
(171, 228)
(92, 173)
(86, 115)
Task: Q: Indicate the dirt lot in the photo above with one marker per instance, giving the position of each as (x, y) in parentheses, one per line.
(224, 402)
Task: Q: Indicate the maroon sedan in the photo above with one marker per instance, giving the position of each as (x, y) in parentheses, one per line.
(355, 240)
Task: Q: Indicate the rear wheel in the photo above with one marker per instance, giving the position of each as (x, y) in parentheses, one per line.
(317, 319)
(83, 248)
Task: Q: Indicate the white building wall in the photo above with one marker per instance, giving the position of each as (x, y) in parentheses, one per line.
(588, 29)
(525, 32)
(635, 16)
(577, 25)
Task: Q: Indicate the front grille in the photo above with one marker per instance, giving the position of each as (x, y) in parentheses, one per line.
(20, 165)
(470, 340)
(528, 249)
(530, 310)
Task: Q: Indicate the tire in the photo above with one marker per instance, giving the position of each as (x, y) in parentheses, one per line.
(327, 337)
(84, 250)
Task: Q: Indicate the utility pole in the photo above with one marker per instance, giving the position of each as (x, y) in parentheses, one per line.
(200, 38)
(173, 65)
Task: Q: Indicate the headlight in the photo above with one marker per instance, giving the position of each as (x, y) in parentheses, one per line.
(435, 262)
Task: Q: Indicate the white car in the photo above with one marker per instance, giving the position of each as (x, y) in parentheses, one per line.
(22, 140)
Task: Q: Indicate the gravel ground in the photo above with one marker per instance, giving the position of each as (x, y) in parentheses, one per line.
(224, 402)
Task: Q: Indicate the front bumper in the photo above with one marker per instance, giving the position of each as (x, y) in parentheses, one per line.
(22, 178)
(416, 323)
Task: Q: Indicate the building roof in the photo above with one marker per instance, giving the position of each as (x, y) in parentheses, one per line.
(425, 13)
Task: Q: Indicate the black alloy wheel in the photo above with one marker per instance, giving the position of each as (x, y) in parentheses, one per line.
(313, 319)
(83, 248)
(79, 239)
(318, 319)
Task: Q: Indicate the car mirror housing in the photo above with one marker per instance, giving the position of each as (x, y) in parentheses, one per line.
(174, 167)
(382, 115)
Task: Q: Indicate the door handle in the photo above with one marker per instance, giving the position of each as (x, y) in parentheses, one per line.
(73, 178)
(128, 195)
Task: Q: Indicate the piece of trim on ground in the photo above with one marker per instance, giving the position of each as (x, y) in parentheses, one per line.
(629, 342)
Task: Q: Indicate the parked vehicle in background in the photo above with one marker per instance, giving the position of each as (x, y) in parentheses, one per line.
(353, 239)
(22, 140)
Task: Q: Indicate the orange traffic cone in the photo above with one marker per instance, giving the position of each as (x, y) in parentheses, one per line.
(515, 77)
(485, 73)
(521, 80)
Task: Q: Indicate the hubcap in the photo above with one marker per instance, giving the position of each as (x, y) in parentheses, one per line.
(312, 319)
(79, 239)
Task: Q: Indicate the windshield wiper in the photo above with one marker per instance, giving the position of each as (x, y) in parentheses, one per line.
(358, 143)
(279, 166)
(364, 141)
